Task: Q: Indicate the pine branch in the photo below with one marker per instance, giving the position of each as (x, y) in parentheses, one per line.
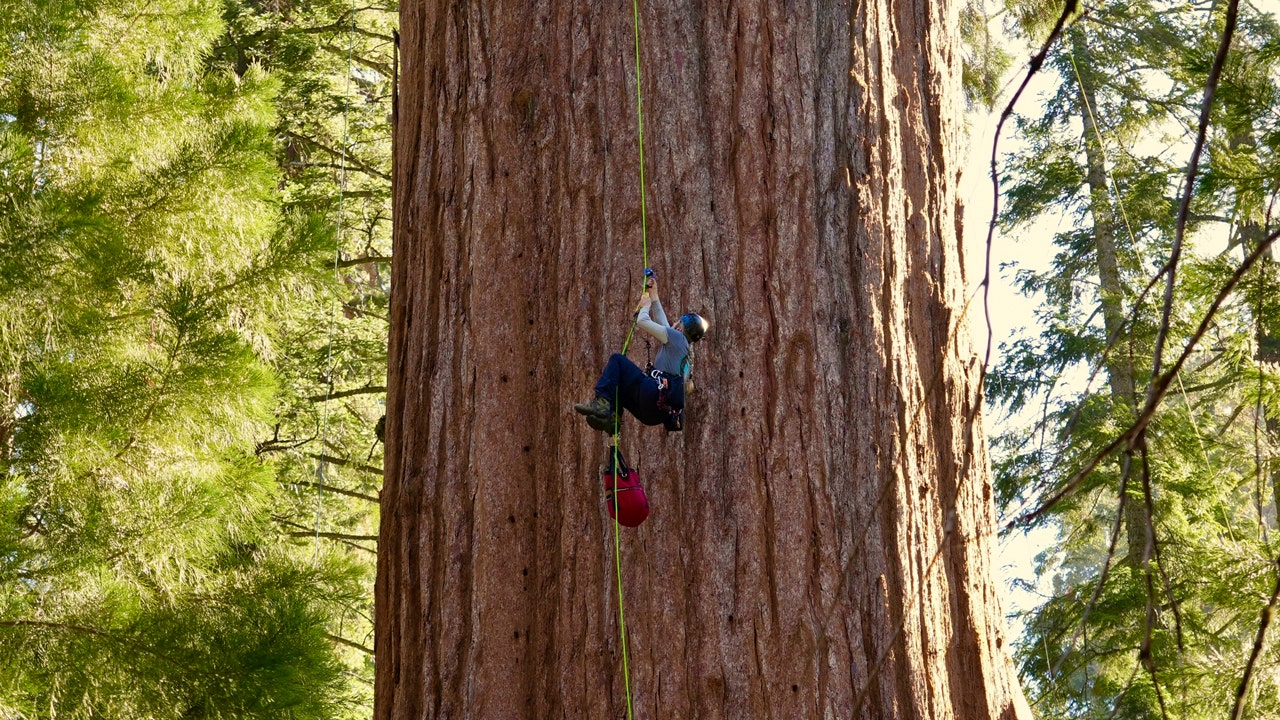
(126, 642)
(381, 68)
(344, 538)
(364, 313)
(336, 166)
(275, 445)
(310, 532)
(340, 26)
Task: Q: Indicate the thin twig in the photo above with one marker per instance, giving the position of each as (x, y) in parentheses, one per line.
(362, 260)
(1154, 544)
(1149, 621)
(348, 156)
(1106, 569)
(1238, 711)
(1068, 9)
(1193, 168)
(338, 490)
(350, 643)
(343, 462)
(366, 390)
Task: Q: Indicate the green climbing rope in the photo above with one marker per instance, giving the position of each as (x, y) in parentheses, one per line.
(644, 246)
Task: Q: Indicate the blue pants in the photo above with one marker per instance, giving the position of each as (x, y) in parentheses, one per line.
(635, 390)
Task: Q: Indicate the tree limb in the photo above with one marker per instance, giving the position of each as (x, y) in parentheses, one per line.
(362, 260)
(1159, 388)
(350, 158)
(349, 643)
(1170, 268)
(339, 26)
(1267, 613)
(367, 390)
(343, 462)
(338, 490)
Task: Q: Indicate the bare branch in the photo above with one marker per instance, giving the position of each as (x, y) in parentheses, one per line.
(1238, 711)
(349, 643)
(332, 535)
(1068, 9)
(374, 65)
(344, 538)
(367, 390)
(1184, 207)
(350, 158)
(337, 490)
(340, 26)
(343, 462)
(362, 260)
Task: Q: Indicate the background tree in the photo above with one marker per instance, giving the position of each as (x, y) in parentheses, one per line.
(334, 62)
(191, 358)
(820, 542)
(1165, 564)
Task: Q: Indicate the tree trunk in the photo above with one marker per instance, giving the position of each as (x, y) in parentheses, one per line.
(820, 542)
(1111, 291)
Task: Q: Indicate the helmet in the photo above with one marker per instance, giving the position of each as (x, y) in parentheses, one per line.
(694, 326)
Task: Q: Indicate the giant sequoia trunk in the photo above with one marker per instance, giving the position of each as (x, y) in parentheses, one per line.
(820, 543)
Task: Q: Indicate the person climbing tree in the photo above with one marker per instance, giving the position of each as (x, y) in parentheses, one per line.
(655, 396)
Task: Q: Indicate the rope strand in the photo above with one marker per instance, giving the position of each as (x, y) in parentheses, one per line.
(644, 250)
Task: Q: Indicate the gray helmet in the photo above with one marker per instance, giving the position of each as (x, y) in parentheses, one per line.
(694, 326)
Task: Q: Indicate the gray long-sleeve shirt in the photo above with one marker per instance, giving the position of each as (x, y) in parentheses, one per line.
(673, 358)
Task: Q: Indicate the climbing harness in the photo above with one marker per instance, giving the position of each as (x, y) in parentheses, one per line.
(675, 415)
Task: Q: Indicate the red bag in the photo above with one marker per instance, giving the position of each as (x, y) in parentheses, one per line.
(632, 505)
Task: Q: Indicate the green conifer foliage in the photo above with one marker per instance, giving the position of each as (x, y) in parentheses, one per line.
(1166, 561)
(164, 318)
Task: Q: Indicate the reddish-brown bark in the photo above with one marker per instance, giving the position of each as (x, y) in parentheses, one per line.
(820, 543)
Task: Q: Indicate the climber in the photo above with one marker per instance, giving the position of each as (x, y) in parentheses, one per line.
(655, 396)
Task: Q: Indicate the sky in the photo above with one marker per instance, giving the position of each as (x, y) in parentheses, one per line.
(1011, 313)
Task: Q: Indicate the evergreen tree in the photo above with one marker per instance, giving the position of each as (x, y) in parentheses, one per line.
(1164, 566)
(155, 287)
(334, 62)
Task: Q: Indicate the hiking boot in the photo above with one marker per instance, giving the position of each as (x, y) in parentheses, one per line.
(604, 425)
(598, 407)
